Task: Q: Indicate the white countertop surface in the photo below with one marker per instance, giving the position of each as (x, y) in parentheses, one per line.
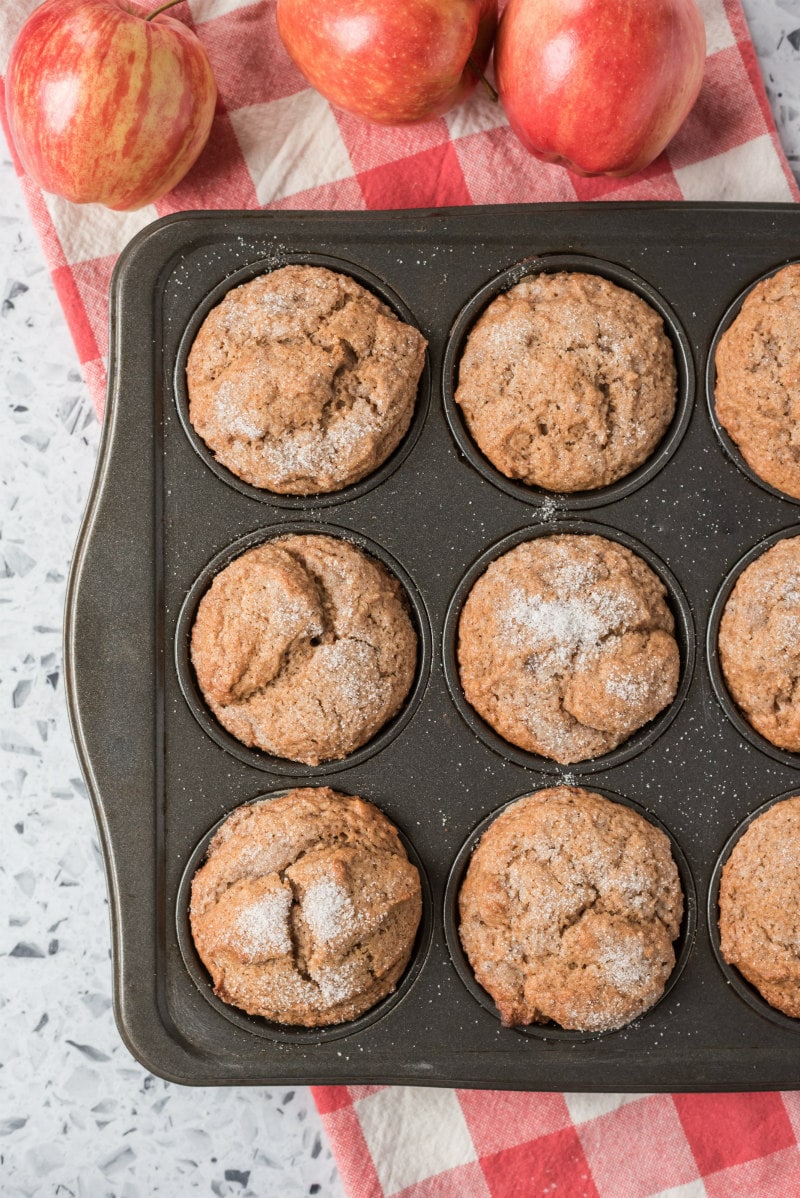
(78, 1116)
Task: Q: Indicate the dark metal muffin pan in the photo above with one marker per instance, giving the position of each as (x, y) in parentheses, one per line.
(162, 517)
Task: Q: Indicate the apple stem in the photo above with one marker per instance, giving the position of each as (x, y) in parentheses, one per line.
(164, 7)
(493, 96)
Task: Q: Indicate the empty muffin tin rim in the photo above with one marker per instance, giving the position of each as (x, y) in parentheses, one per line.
(729, 446)
(685, 940)
(549, 263)
(257, 757)
(247, 274)
(287, 1033)
(724, 697)
(737, 981)
(639, 740)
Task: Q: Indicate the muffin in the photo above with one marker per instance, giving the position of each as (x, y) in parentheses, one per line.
(306, 909)
(302, 381)
(759, 646)
(304, 647)
(569, 910)
(566, 646)
(759, 906)
(757, 391)
(568, 382)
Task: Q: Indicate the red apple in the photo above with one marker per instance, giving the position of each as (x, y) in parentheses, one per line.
(105, 104)
(599, 86)
(390, 61)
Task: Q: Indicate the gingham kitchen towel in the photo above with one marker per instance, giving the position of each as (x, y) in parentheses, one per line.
(406, 1142)
(277, 144)
(393, 1142)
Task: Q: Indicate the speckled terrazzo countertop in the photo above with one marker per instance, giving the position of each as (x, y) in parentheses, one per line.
(78, 1116)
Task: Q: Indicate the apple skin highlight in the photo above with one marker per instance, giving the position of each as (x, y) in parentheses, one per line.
(106, 106)
(394, 63)
(599, 86)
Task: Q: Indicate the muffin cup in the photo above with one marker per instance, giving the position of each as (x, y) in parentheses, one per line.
(728, 444)
(736, 980)
(293, 1034)
(637, 741)
(736, 717)
(262, 494)
(684, 362)
(543, 1031)
(257, 757)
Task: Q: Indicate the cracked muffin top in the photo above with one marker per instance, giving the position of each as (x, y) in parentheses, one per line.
(569, 910)
(759, 650)
(303, 647)
(306, 909)
(568, 382)
(566, 646)
(302, 381)
(757, 391)
(759, 909)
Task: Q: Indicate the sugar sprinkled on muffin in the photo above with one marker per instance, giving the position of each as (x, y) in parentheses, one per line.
(306, 909)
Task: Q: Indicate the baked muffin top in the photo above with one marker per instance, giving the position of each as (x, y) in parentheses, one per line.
(566, 646)
(759, 906)
(757, 391)
(759, 646)
(302, 381)
(306, 909)
(567, 381)
(569, 909)
(303, 647)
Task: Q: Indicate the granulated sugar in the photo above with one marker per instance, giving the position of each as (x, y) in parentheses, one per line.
(307, 452)
(622, 964)
(262, 928)
(339, 983)
(629, 688)
(561, 627)
(240, 420)
(273, 608)
(506, 338)
(790, 588)
(328, 910)
(353, 679)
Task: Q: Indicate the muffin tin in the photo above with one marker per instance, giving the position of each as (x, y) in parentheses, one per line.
(163, 518)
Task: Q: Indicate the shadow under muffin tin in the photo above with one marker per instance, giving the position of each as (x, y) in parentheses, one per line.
(163, 518)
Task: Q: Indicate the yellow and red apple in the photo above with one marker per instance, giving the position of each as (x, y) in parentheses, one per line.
(394, 62)
(108, 102)
(600, 86)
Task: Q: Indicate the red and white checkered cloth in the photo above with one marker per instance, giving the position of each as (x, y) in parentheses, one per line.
(275, 143)
(414, 1143)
